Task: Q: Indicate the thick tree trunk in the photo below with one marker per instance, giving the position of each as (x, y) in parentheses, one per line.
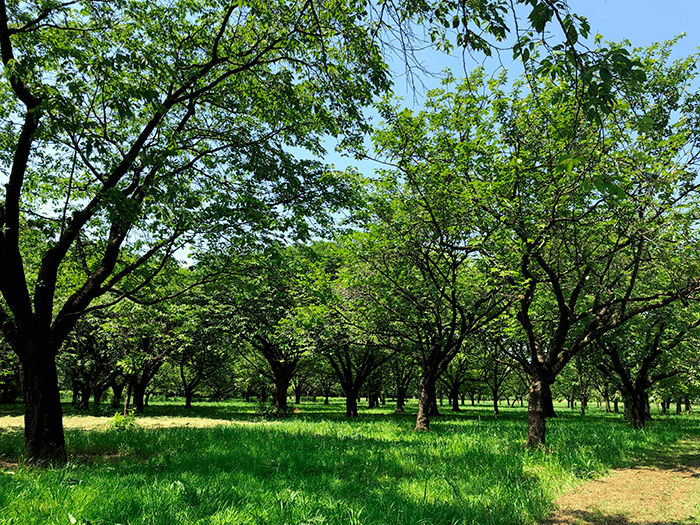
(639, 408)
(188, 398)
(679, 408)
(279, 395)
(539, 405)
(688, 406)
(351, 404)
(43, 417)
(495, 405)
(432, 393)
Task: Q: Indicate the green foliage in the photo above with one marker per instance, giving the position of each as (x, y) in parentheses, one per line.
(122, 422)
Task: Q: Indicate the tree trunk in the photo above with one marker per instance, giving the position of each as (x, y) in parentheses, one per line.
(76, 388)
(432, 395)
(351, 404)
(43, 417)
(639, 409)
(688, 406)
(400, 400)
(679, 407)
(97, 399)
(138, 391)
(188, 398)
(85, 397)
(455, 400)
(539, 405)
(117, 392)
(495, 405)
(279, 395)
(425, 402)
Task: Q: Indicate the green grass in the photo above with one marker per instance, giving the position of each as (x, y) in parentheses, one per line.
(318, 467)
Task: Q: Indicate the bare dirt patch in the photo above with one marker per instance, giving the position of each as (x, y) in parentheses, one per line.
(663, 490)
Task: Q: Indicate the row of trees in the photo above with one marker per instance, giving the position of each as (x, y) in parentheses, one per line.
(131, 130)
(217, 370)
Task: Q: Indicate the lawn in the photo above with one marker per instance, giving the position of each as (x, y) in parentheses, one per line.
(318, 467)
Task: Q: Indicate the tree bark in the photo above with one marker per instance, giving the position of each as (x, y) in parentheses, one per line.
(425, 402)
(279, 394)
(351, 404)
(43, 416)
(539, 406)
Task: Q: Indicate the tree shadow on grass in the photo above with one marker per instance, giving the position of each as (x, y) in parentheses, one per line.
(680, 456)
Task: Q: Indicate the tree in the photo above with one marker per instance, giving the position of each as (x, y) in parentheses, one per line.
(141, 124)
(589, 226)
(91, 360)
(418, 249)
(586, 234)
(651, 348)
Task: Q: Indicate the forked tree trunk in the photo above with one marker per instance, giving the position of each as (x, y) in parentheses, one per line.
(43, 417)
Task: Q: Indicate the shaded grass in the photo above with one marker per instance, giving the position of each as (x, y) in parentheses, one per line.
(318, 467)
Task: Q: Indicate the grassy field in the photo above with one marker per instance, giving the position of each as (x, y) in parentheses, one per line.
(317, 467)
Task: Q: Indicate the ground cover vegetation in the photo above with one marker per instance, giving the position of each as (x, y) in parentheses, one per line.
(317, 466)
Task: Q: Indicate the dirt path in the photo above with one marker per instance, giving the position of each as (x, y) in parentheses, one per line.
(664, 489)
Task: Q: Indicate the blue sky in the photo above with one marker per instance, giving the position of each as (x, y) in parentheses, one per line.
(642, 22)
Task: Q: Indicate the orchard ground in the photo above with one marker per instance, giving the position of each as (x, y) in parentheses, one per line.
(225, 463)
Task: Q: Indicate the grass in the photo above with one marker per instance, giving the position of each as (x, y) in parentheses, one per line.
(317, 467)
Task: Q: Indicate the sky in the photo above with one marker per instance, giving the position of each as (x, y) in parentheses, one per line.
(642, 22)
